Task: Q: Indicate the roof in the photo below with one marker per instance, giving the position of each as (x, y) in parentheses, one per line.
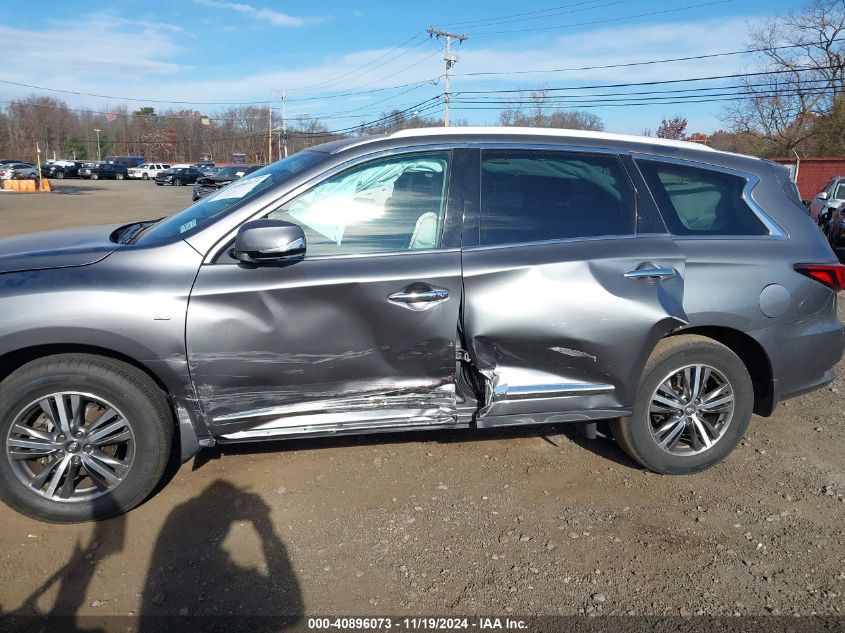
(541, 131)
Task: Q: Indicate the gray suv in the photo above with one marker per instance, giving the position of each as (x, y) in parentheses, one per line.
(430, 279)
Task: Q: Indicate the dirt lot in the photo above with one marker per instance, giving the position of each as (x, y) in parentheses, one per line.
(495, 523)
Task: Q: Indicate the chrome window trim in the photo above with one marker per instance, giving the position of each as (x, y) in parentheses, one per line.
(217, 245)
(452, 249)
(775, 230)
(566, 240)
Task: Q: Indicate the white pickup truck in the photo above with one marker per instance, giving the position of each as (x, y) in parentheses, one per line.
(147, 170)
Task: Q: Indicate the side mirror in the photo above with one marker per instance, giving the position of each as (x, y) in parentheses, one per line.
(823, 195)
(262, 241)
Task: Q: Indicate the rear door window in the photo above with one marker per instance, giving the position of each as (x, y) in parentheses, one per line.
(534, 196)
(700, 201)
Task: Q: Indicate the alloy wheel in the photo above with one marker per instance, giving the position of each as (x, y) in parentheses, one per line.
(70, 446)
(691, 409)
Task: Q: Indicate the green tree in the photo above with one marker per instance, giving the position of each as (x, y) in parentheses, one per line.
(75, 148)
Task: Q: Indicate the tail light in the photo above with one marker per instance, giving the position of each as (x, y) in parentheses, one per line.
(831, 275)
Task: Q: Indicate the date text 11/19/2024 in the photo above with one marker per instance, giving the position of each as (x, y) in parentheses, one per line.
(416, 624)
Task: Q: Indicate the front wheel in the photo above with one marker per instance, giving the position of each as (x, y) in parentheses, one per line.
(83, 437)
(693, 407)
(119, 176)
(94, 176)
(60, 175)
(177, 183)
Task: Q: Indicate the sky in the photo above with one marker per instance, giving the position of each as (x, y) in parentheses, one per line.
(348, 62)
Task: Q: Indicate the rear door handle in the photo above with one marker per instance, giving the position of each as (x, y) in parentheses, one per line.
(653, 273)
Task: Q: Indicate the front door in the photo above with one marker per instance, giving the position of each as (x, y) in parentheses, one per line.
(360, 334)
(570, 283)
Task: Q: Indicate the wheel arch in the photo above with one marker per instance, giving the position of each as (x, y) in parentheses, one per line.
(752, 355)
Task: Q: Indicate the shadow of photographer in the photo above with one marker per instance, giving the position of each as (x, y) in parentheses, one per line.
(193, 582)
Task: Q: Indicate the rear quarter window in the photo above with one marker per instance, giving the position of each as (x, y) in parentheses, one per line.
(700, 201)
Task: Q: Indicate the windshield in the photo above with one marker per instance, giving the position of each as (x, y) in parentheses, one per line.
(202, 213)
(839, 193)
(228, 172)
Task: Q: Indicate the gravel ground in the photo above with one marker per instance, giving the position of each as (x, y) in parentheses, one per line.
(520, 522)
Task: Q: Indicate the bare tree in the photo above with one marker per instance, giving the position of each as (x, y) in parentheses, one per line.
(805, 76)
(531, 108)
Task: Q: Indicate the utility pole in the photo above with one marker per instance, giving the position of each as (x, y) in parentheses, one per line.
(270, 136)
(284, 123)
(450, 60)
(99, 158)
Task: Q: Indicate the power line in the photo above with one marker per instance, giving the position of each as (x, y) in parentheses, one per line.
(652, 101)
(550, 13)
(432, 81)
(654, 98)
(480, 22)
(607, 20)
(369, 63)
(652, 83)
(650, 62)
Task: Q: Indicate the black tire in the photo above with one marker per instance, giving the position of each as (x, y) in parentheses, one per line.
(144, 407)
(95, 176)
(146, 176)
(118, 176)
(60, 175)
(634, 434)
(177, 183)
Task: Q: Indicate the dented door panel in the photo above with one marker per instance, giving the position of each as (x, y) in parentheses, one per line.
(319, 347)
(557, 327)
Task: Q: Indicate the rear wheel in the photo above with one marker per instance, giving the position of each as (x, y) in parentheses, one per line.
(119, 176)
(83, 437)
(145, 176)
(694, 405)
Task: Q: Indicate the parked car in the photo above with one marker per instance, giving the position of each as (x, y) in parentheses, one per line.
(126, 161)
(209, 184)
(62, 169)
(18, 171)
(831, 197)
(178, 176)
(833, 224)
(147, 170)
(103, 171)
(428, 279)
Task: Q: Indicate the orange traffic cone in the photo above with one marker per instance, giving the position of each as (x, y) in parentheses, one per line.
(45, 185)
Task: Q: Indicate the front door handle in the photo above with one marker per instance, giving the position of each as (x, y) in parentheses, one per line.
(653, 273)
(419, 297)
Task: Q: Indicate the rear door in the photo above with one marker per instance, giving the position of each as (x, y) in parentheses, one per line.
(570, 280)
(360, 334)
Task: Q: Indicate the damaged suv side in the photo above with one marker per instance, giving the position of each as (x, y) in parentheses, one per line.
(430, 279)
